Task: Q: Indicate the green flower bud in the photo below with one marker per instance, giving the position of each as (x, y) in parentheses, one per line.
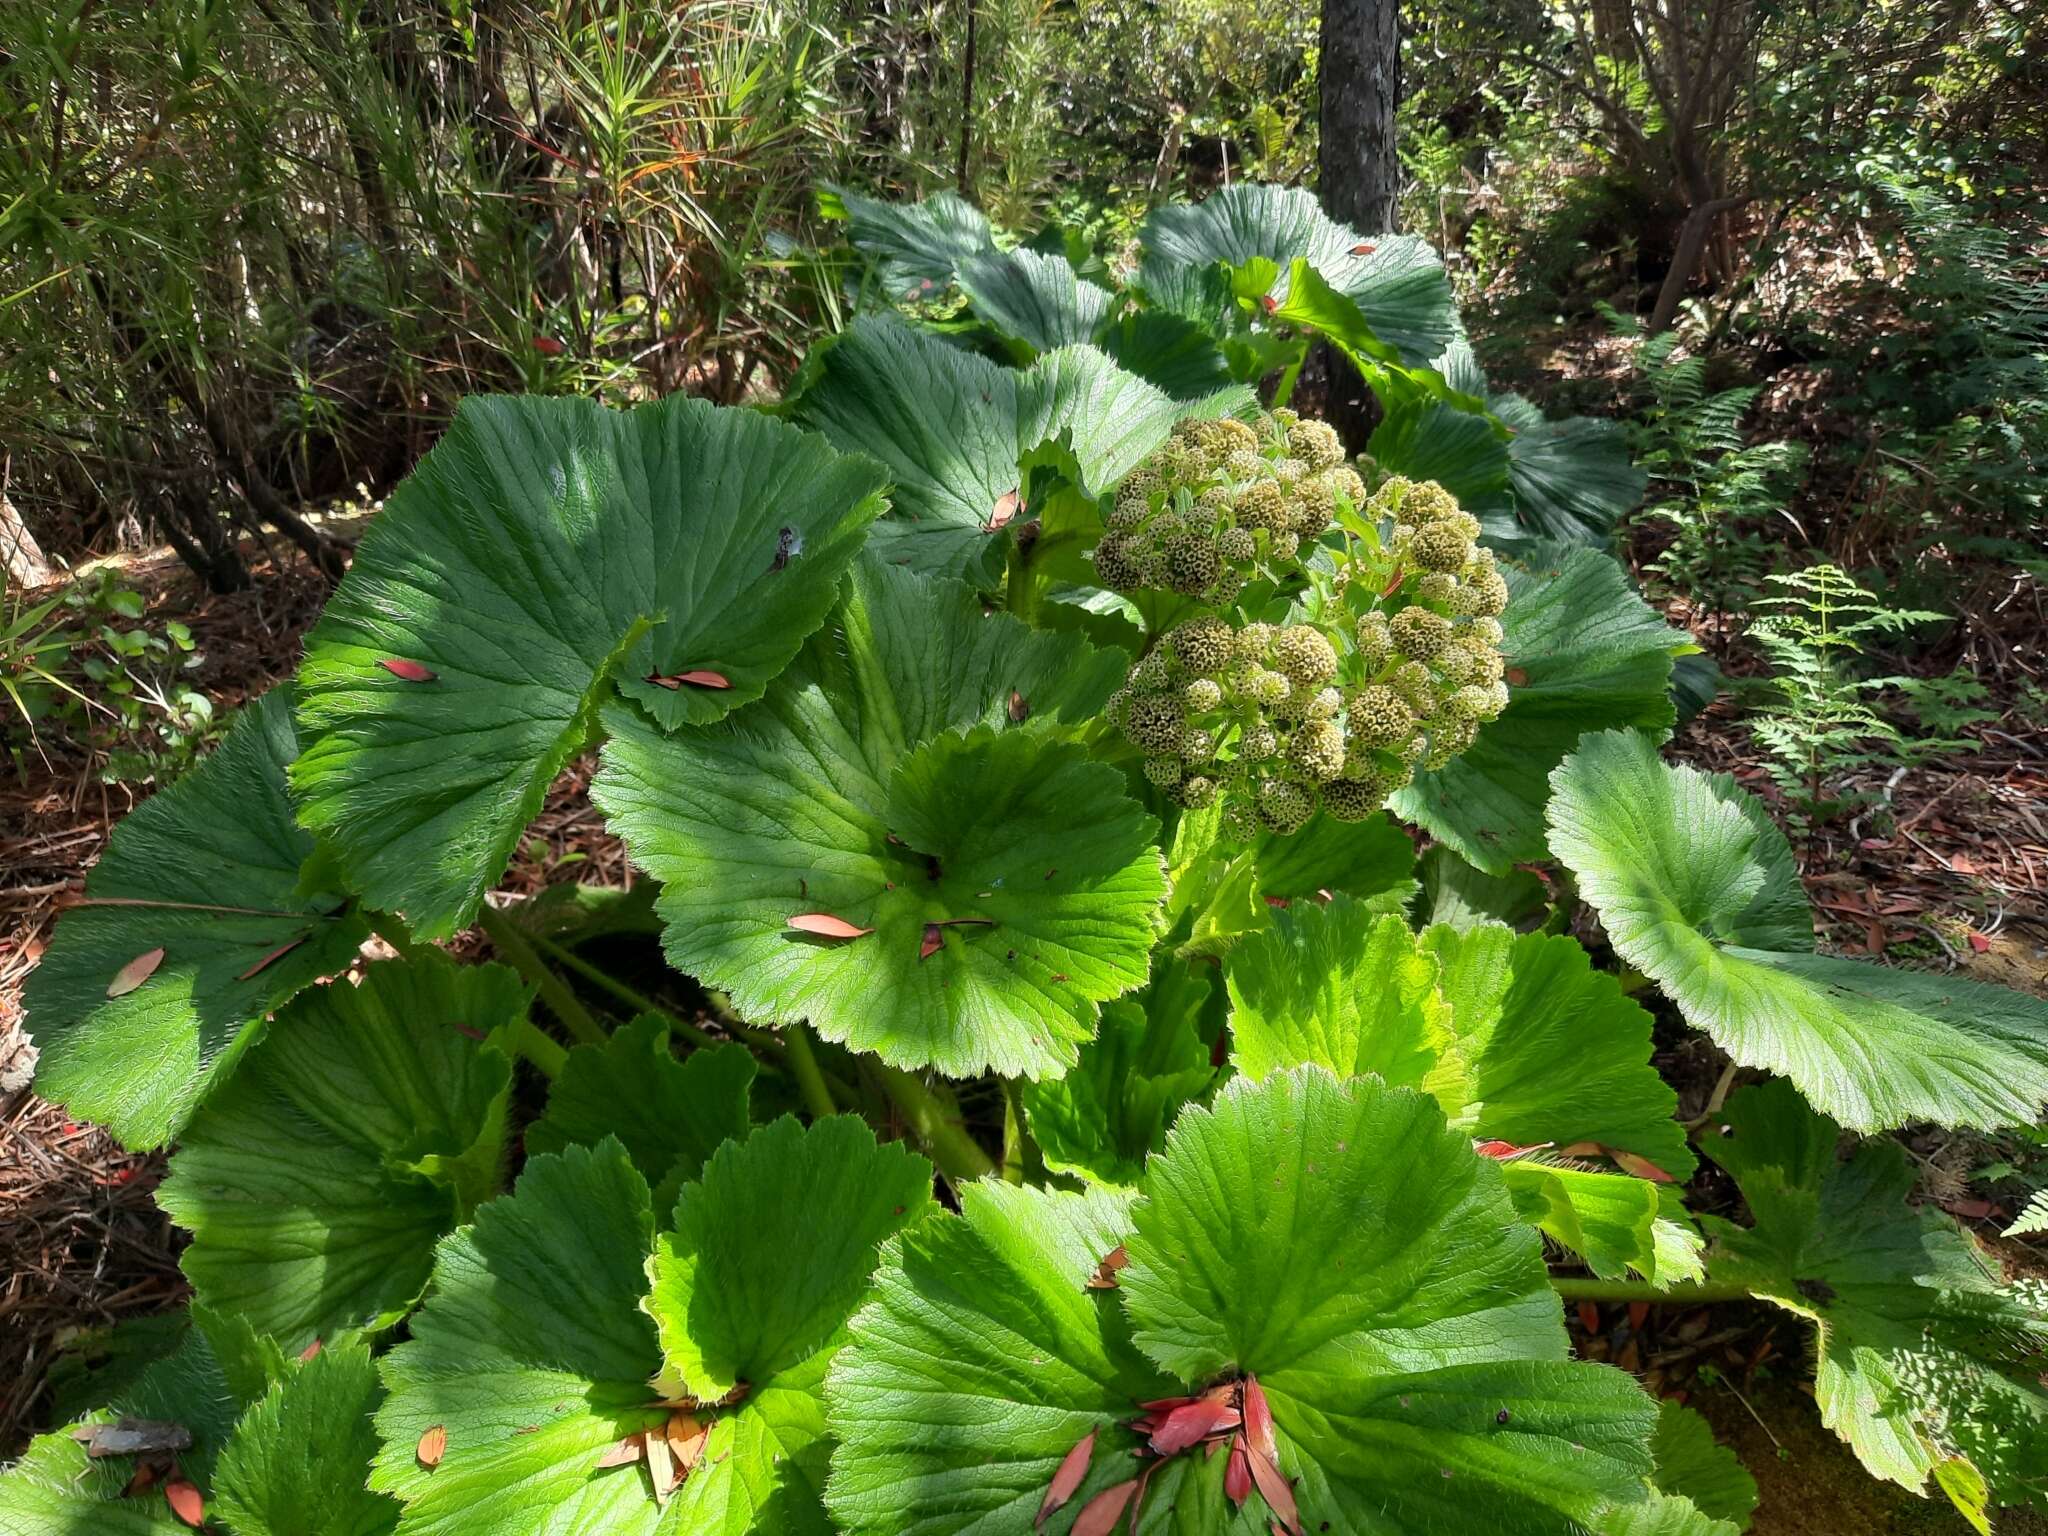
(1317, 442)
(1325, 705)
(1441, 546)
(1487, 628)
(1192, 563)
(1153, 723)
(1284, 805)
(1258, 743)
(1244, 464)
(1375, 639)
(1420, 634)
(1261, 505)
(1197, 792)
(1318, 750)
(1380, 717)
(1119, 563)
(1489, 598)
(1438, 587)
(1202, 696)
(1417, 688)
(1238, 545)
(1270, 689)
(1163, 771)
(1240, 822)
(1152, 674)
(1285, 546)
(1254, 642)
(1197, 746)
(1301, 652)
(1352, 800)
(1204, 645)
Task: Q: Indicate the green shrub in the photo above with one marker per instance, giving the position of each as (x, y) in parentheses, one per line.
(1243, 1183)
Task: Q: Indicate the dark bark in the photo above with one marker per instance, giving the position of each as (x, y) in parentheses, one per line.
(1359, 171)
(967, 105)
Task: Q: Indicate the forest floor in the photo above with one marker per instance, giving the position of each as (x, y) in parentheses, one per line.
(1953, 874)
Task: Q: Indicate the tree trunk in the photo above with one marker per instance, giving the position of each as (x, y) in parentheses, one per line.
(1361, 83)
(1359, 173)
(966, 185)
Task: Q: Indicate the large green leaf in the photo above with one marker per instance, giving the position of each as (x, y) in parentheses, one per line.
(56, 1489)
(1396, 280)
(208, 872)
(982, 1361)
(1924, 1355)
(1571, 478)
(1343, 988)
(1698, 890)
(1426, 439)
(1584, 653)
(532, 1358)
(670, 1115)
(772, 1252)
(522, 564)
(1692, 1464)
(357, 1133)
(1110, 1113)
(885, 781)
(1340, 1244)
(1038, 300)
(1556, 1051)
(916, 247)
(299, 1458)
(1169, 351)
(960, 434)
(1314, 305)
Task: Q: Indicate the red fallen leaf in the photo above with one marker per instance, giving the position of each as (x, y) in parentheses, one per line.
(1363, 248)
(1008, 505)
(276, 954)
(1067, 1478)
(433, 1446)
(1589, 1316)
(1979, 942)
(1258, 1420)
(185, 1502)
(310, 1350)
(695, 678)
(1237, 1474)
(1269, 303)
(407, 671)
(1104, 1278)
(931, 943)
(547, 346)
(1020, 708)
(1969, 1210)
(627, 1450)
(1641, 1167)
(1276, 1491)
(1197, 1421)
(1516, 676)
(135, 972)
(826, 926)
(1100, 1514)
(1638, 1314)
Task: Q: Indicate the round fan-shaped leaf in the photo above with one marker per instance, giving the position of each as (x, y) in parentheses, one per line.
(1036, 299)
(1009, 883)
(208, 873)
(1697, 889)
(541, 549)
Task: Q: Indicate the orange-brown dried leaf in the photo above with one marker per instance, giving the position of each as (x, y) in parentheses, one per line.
(826, 926)
(135, 972)
(1104, 1278)
(1100, 1514)
(433, 1446)
(185, 1502)
(408, 671)
(1067, 1477)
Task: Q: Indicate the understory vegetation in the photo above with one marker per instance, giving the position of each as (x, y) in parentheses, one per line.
(1180, 950)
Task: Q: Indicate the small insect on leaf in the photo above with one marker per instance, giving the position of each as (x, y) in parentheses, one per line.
(1363, 248)
(433, 1446)
(408, 671)
(310, 1351)
(1394, 582)
(135, 972)
(134, 1437)
(1507, 1151)
(789, 543)
(1276, 1491)
(697, 677)
(1067, 1479)
(1020, 708)
(1008, 505)
(185, 1502)
(1104, 1278)
(1641, 1167)
(1100, 1514)
(933, 941)
(1258, 1420)
(547, 346)
(826, 926)
(276, 954)
(1268, 303)
(1237, 1474)
(618, 1454)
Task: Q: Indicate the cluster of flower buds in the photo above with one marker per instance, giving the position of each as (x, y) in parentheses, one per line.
(1222, 502)
(1389, 659)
